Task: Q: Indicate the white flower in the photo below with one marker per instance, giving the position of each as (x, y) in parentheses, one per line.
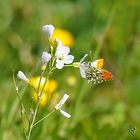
(22, 76)
(48, 30)
(82, 66)
(62, 56)
(60, 104)
(45, 57)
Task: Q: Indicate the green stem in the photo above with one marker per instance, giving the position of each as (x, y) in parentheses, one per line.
(21, 103)
(23, 110)
(44, 118)
(69, 65)
(33, 88)
(32, 123)
(40, 82)
(37, 106)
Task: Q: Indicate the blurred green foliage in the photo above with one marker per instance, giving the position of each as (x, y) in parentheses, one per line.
(109, 29)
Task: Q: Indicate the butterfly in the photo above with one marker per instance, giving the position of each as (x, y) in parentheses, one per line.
(99, 64)
(95, 72)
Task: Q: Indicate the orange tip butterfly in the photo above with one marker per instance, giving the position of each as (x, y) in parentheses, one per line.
(95, 73)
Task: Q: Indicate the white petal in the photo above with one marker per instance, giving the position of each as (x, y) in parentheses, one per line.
(94, 63)
(22, 76)
(45, 57)
(68, 59)
(82, 70)
(62, 101)
(83, 58)
(58, 50)
(48, 29)
(59, 64)
(61, 50)
(65, 114)
(64, 98)
(66, 50)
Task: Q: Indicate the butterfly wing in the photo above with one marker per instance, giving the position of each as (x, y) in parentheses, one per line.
(98, 63)
(95, 74)
(106, 75)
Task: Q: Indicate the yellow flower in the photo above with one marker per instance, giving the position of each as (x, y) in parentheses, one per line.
(49, 88)
(63, 35)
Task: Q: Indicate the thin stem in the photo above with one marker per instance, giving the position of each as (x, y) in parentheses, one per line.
(37, 106)
(53, 61)
(36, 109)
(32, 123)
(46, 80)
(33, 88)
(64, 66)
(44, 118)
(69, 65)
(40, 82)
(23, 111)
(21, 103)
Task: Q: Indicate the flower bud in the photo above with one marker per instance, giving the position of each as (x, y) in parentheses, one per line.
(45, 57)
(22, 76)
(48, 30)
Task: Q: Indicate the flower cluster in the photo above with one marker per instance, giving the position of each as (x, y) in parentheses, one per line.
(57, 57)
(61, 52)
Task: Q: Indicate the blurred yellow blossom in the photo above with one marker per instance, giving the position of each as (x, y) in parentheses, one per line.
(71, 80)
(49, 88)
(64, 35)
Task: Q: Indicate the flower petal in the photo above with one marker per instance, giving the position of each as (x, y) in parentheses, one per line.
(48, 29)
(59, 64)
(82, 70)
(68, 59)
(65, 114)
(66, 50)
(64, 98)
(22, 76)
(45, 57)
(62, 50)
(62, 101)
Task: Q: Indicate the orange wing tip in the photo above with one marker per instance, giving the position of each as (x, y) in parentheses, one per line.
(107, 75)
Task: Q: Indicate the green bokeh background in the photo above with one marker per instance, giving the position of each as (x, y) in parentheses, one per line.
(108, 29)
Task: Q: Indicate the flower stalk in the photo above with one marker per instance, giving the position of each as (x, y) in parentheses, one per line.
(31, 124)
(49, 114)
(58, 57)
